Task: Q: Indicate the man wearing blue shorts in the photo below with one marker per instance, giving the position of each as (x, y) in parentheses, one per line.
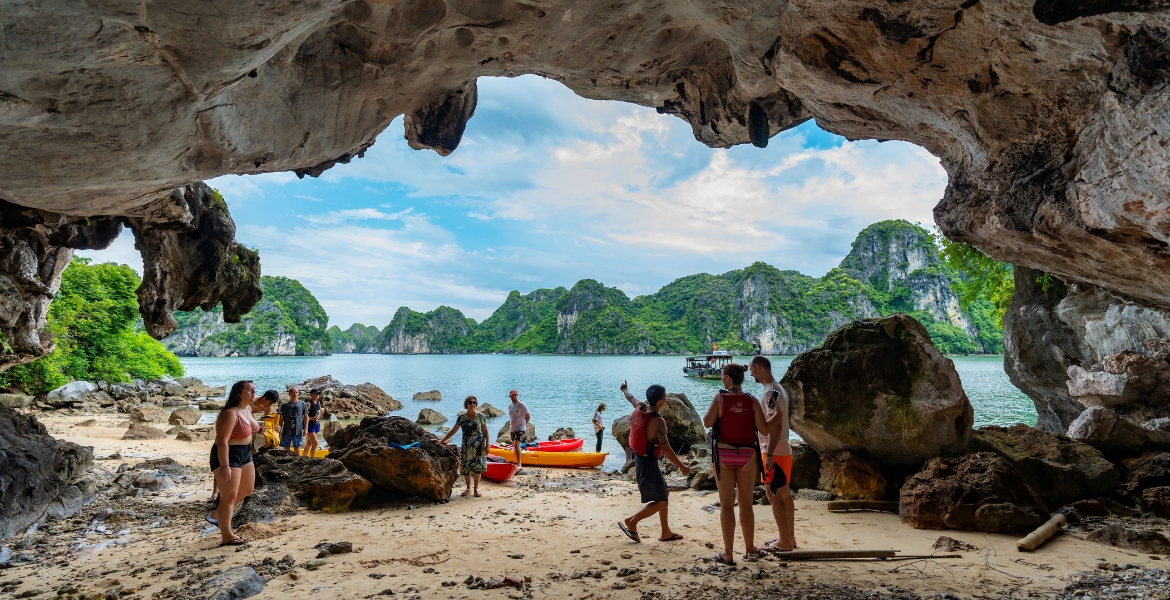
(293, 423)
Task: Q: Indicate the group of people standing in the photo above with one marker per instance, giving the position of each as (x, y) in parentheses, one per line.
(749, 444)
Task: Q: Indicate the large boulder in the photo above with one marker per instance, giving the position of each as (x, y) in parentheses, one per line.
(850, 477)
(74, 391)
(320, 483)
(806, 467)
(1149, 471)
(430, 416)
(879, 388)
(35, 471)
(976, 492)
(16, 400)
(265, 504)
(1058, 469)
(351, 401)
(433, 395)
(148, 413)
(490, 411)
(684, 426)
(1116, 436)
(562, 433)
(428, 470)
(185, 415)
(142, 431)
(504, 436)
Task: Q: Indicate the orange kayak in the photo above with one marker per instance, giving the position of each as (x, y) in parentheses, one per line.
(571, 460)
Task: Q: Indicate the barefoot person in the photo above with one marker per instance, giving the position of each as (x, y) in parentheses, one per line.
(313, 427)
(599, 425)
(777, 456)
(649, 442)
(293, 424)
(473, 460)
(518, 419)
(736, 420)
(231, 458)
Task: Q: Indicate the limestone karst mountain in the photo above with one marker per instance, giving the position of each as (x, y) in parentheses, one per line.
(893, 266)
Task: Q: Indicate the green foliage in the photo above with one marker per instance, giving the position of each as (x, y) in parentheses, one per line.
(979, 277)
(92, 321)
(286, 307)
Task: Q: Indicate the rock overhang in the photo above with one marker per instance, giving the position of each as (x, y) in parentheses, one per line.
(1049, 118)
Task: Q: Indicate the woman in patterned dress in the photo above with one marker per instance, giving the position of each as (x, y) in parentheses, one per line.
(475, 445)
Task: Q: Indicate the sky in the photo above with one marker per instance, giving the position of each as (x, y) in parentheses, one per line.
(547, 188)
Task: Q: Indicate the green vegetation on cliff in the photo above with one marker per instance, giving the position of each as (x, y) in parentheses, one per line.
(92, 321)
(288, 320)
(893, 266)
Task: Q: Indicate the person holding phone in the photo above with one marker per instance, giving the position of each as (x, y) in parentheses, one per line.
(777, 455)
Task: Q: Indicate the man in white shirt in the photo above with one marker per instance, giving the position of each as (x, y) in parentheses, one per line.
(518, 419)
(777, 455)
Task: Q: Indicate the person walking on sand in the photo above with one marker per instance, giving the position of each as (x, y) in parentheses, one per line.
(736, 419)
(313, 426)
(599, 425)
(648, 441)
(293, 425)
(473, 459)
(231, 458)
(777, 456)
(518, 418)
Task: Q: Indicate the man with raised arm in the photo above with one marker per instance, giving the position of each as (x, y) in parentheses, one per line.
(648, 441)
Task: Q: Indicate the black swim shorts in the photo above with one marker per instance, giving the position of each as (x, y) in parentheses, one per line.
(238, 456)
(651, 483)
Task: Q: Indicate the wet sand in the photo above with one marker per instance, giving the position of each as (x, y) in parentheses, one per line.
(544, 527)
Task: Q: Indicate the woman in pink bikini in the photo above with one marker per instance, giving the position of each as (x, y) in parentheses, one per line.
(735, 418)
(231, 458)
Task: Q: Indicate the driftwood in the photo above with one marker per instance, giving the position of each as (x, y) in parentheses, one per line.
(1037, 538)
(848, 505)
(823, 554)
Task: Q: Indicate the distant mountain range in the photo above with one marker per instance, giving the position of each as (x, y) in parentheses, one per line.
(893, 267)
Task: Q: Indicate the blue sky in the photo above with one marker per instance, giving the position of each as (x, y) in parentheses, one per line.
(548, 188)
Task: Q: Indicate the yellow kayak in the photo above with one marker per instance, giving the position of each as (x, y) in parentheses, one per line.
(272, 438)
(553, 459)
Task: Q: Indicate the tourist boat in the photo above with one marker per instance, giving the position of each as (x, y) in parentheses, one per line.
(571, 460)
(709, 366)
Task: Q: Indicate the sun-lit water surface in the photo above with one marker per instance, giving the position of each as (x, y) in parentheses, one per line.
(560, 391)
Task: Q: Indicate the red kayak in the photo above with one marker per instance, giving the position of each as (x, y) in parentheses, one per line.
(568, 445)
(499, 471)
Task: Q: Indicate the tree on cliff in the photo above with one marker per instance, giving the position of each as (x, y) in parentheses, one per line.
(92, 321)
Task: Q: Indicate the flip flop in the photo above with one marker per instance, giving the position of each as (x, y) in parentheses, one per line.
(466, 493)
(633, 535)
(478, 495)
(211, 519)
(771, 547)
(236, 541)
(673, 537)
(760, 553)
(721, 560)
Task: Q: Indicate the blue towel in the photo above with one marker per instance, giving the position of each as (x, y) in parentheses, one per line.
(397, 446)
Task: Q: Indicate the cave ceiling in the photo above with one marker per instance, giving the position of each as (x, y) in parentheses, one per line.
(1050, 117)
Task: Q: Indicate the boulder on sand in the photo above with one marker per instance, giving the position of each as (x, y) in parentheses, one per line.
(265, 504)
(429, 416)
(976, 492)
(684, 426)
(879, 388)
(72, 392)
(850, 477)
(142, 431)
(195, 435)
(432, 395)
(806, 467)
(505, 434)
(185, 415)
(490, 411)
(147, 413)
(320, 483)
(562, 433)
(1058, 469)
(428, 470)
(35, 470)
(351, 401)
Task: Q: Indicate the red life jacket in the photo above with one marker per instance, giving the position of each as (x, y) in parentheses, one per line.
(639, 443)
(737, 424)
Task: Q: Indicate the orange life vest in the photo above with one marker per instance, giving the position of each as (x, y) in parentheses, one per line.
(639, 443)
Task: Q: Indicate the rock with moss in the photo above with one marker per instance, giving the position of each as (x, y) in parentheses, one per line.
(880, 389)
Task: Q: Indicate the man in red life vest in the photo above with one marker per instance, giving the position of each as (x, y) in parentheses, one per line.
(649, 443)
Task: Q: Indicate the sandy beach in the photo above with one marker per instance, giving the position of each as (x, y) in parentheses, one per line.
(554, 530)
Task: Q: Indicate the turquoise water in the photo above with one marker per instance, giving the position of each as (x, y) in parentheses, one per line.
(560, 391)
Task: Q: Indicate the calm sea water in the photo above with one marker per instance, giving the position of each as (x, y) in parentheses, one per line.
(560, 391)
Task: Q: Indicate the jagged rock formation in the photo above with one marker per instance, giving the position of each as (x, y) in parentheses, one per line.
(976, 492)
(35, 470)
(1073, 346)
(1052, 135)
(879, 389)
(893, 266)
(428, 470)
(351, 401)
(288, 321)
(358, 339)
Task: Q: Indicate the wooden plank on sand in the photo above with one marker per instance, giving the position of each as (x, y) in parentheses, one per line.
(823, 554)
(848, 505)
